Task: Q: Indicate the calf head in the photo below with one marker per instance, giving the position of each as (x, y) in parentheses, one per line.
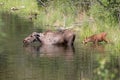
(86, 40)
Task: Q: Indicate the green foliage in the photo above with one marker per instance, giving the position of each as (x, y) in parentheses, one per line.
(107, 69)
(102, 16)
(60, 13)
(111, 5)
(24, 7)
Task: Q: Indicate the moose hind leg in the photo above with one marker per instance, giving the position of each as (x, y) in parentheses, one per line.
(96, 42)
(71, 41)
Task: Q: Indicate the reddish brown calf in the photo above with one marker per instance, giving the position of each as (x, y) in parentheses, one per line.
(96, 38)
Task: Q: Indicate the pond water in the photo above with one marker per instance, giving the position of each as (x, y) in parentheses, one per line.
(50, 63)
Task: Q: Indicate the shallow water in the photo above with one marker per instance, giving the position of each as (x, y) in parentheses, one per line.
(50, 63)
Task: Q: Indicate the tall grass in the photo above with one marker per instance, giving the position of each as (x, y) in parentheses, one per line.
(25, 6)
(57, 13)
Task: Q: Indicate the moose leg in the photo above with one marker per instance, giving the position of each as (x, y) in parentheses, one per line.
(96, 42)
(71, 41)
(104, 39)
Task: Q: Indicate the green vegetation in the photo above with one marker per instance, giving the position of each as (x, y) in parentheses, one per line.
(85, 16)
(22, 7)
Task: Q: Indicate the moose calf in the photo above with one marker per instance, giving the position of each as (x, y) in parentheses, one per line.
(96, 38)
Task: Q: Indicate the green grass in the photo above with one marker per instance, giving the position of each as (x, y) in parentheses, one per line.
(25, 6)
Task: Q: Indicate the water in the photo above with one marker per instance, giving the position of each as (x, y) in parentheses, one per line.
(50, 63)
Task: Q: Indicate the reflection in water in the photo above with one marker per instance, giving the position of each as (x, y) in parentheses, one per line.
(50, 51)
(99, 48)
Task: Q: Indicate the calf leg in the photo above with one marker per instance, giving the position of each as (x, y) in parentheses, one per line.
(104, 39)
(96, 42)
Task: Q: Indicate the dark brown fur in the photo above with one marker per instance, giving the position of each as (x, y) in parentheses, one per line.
(29, 39)
(96, 38)
(65, 37)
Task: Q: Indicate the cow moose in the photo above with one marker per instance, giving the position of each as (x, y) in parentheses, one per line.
(65, 37)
